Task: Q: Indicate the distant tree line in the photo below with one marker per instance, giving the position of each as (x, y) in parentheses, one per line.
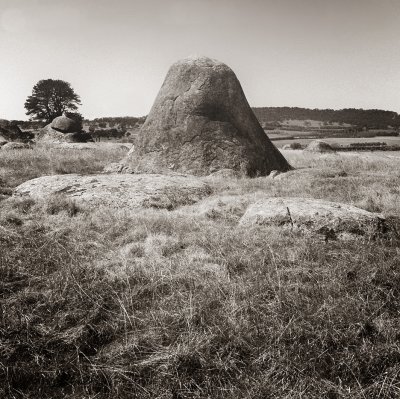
(370, 118)
(31, 125)
(108, 133)
(126, 121)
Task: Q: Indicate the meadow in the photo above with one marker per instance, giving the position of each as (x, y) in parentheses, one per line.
(339, 141)
(175, 304)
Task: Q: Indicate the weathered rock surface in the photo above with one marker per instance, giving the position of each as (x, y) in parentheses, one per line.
(14, 146)
(88, 146)
(331, 219)
(62, 130)
(319, 146)
(119, 191)
(201, 122)
(64, 124)
(50, 135)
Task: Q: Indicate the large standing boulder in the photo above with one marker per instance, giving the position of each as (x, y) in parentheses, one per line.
(63, 130)
(201, 122)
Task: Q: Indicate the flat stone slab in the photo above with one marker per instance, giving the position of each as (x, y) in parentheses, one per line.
(331, 219)
(119, 190)
(14, 146)
(87, 146)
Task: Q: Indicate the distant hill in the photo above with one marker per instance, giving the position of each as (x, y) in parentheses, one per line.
(271, 117)
(348, 122)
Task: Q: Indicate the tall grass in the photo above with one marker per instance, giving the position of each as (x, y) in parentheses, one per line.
(17, 166)
(174, 304)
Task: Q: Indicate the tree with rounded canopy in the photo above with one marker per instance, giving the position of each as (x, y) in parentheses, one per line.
(51, 98)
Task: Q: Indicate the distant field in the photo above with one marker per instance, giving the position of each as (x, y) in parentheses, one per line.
(276, 134)
(390, 140)
(313, 123)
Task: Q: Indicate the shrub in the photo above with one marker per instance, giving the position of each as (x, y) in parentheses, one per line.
(296, 146)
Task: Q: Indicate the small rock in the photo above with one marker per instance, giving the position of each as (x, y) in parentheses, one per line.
(319, 146)
(63, 130)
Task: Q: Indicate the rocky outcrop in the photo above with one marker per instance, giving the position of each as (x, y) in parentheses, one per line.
(200, 123)
(64, 124)
(63, 130)
(330, 219)
(119, 191)
(11, 132)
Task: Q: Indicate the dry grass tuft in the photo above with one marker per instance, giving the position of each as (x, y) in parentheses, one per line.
(60, 203)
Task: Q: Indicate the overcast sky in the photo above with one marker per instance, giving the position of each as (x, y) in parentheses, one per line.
(115, 53)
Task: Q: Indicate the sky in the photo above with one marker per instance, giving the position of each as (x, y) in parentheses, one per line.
(116, 53)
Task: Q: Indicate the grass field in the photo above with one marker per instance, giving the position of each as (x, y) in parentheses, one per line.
(389, 140)
(178, 304)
